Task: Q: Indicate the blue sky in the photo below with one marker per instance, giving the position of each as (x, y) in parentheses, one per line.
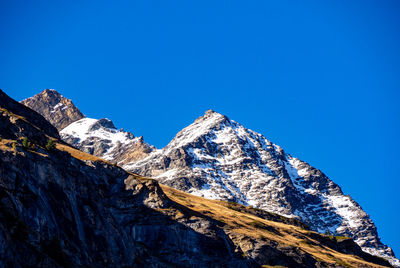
(319, 78)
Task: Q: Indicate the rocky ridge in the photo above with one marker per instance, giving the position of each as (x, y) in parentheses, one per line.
(95, 136)
(53, 106)
(101, 138)
(218, 158)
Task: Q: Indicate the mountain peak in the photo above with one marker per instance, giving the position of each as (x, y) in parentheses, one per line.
(210, 119)
(101, 138)
(212, 114)
(218, 158)
(202, 126)
(50, 91)
(57, 109)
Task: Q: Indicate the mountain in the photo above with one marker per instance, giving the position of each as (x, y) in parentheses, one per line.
(57, 109)
(60, 207)
(95, 136)
(101, 138)
(218, 158)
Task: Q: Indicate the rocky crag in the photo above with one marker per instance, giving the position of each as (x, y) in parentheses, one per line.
(57, 109)
(98, 137)
(218, 158)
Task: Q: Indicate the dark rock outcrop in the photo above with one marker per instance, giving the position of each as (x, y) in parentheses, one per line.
(18, 121)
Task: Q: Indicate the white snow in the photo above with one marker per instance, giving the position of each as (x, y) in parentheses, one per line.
(57, 106)
(237, 163)
(81, 130)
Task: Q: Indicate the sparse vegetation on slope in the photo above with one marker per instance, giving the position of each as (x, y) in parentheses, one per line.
(245, 228)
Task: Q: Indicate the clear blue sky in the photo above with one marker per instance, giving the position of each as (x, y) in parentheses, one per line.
(319, 78)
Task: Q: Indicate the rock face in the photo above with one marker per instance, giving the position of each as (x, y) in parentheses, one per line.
(58, 110)
(101, 138)
(95, 136)
(218, 158)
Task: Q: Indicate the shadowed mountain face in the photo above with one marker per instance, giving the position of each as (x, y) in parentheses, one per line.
(30, 124)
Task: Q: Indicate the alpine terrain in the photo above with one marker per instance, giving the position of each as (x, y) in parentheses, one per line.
(60, 207)
(98, 137)
(58, 110)
(218, 158)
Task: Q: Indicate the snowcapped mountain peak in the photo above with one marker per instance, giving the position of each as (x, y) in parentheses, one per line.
(104, 128)
(218, 158)
(211, 113)
(100, 137)
(204, 125)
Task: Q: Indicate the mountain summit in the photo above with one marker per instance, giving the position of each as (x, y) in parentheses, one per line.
(53, 106)
(218, 158)
(101, 138)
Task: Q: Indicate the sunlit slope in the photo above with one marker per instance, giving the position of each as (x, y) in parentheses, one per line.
(244, 228)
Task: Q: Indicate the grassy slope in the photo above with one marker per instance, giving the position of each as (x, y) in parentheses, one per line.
(237, 222)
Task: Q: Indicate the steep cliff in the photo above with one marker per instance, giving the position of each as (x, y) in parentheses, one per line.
(101, 138)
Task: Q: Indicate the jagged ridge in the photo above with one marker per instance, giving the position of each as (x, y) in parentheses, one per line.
(218, 158)
(95, 136)
(101, 138)
(57, 109)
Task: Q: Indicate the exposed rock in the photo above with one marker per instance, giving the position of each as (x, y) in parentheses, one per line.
(57, 109)
(25, 124)
(95, 136)
(102, 139)
(218, 158)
